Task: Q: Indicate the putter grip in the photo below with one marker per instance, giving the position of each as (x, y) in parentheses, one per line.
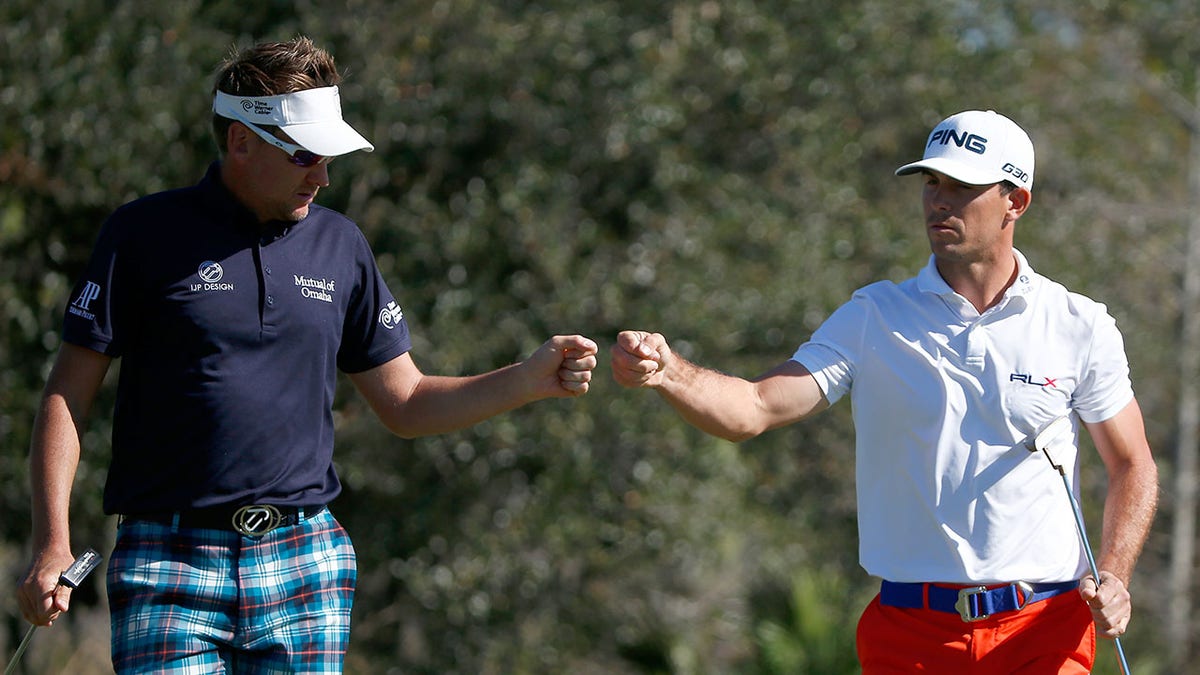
(83, 566)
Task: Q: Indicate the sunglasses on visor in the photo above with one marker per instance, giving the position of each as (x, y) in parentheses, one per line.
(296, 154)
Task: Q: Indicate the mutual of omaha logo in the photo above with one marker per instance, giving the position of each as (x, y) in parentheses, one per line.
(81, 305)
(316, 289)
(211, 273)
(391, 316)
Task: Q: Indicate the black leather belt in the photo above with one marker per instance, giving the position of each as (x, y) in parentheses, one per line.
(252, 520)
(972, 603)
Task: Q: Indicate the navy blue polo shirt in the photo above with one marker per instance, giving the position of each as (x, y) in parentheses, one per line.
(230, 335)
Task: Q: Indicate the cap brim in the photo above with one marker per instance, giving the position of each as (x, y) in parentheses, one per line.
(329, 138)
(957, 170)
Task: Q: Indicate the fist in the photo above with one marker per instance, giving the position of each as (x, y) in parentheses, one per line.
(640, 359)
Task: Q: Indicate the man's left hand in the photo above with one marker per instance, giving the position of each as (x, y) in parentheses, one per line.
(1110, 603)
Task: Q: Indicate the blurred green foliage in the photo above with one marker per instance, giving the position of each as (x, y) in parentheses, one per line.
(720, 172)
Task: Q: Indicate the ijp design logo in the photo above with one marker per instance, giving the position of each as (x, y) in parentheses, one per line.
(211, 273)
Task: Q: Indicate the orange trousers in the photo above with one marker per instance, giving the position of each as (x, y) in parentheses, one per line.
(1053, 636)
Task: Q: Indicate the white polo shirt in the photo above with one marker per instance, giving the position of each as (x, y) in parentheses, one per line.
(944, 400)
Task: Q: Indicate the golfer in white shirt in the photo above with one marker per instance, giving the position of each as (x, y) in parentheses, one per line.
(950, 374)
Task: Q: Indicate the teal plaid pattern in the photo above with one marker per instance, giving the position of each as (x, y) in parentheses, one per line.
(186, 601)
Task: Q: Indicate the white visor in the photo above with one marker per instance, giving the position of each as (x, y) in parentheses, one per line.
(312, 118)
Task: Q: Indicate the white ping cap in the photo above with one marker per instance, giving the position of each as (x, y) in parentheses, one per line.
(978, 148)
(312, 118)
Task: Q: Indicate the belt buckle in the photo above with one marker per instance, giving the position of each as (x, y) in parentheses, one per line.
(963, 605)
(256, 520)
(1026, 593)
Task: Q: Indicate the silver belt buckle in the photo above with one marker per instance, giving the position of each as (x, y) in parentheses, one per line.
(1026, 593)
(963, 605)
(256, 520)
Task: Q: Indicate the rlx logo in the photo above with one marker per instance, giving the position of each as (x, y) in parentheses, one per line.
(1028, 379)
(973, 142)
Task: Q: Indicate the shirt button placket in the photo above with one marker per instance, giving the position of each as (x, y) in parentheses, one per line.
(976, 345)
(268, 291)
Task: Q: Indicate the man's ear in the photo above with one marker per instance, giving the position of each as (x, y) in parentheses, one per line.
(1018, 201)
(238, 140)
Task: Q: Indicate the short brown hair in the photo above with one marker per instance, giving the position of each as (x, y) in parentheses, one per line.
(270, 69)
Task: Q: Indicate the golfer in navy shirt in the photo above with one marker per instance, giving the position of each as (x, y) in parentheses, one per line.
(233, 304)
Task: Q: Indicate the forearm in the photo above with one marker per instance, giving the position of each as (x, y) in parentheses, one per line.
(722, 405)
(413, 404)
(439, 404)
(1128, 513)
(53, 459)
(716, 403)
(54, 452)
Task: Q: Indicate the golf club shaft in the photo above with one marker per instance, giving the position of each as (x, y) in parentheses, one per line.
(1087, 549)
(12, 665)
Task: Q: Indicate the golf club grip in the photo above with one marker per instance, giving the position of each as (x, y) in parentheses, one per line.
(83, 566)
(71, 578)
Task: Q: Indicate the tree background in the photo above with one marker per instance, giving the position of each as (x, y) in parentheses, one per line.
(720, 172)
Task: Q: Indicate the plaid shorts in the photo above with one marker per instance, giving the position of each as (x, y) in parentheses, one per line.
(212, 601)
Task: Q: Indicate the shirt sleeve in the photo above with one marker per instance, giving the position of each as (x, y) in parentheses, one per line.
(92, 317)
(832, 352)
(1105, 387)
(375, 330)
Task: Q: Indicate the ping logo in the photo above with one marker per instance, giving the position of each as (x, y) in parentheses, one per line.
(966, 140)
(1028, 379)
(391, 316)
(81, 305)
